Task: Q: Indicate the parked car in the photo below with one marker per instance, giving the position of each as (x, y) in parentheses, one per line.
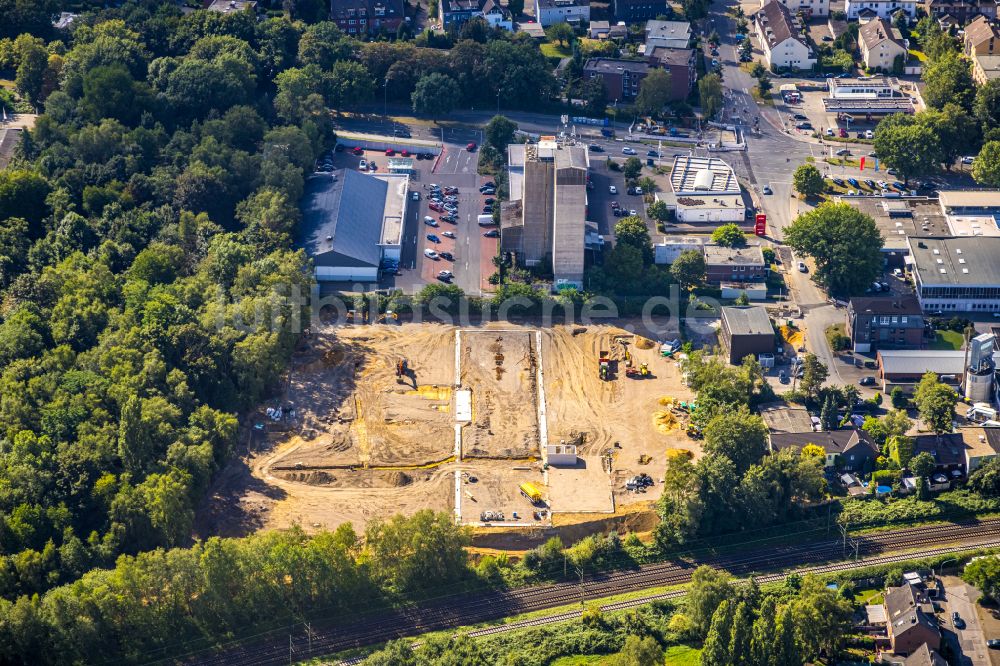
(957, 620)
(767, 190)
(448, 234)
(802, 267)
(357, 150)
(389, 152)
(447, 255)
(839, 182)
(430, 221)
(490, 201)
(445, 275)
(415, 195)
(866, 381)
(612, 189)
(594, 148)
(436, 207)
(492, 233)
(854, 182)
(363, 165)
(638, 191)
(799, 116)
(432, 238)
(870, 183)
(430, 254)
(843, 152)
(471, 147)
(652, 153)
(783, 377)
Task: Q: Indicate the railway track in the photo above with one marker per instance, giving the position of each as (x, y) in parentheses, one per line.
(463, 609)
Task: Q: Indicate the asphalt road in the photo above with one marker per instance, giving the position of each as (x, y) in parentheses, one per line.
(970, 640)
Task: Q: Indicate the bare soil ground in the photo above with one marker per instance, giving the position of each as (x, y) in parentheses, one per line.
(616, 417)
(497, 489)
(500, 369)
(359, 445)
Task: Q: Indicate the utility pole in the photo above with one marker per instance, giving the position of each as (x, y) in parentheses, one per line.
(290, 650)
(309, 634)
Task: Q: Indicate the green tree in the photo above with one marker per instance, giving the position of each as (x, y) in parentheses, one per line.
(499, 132)
(955, 128)
(739, 643)
(808, 181)
(654, 92)
(435, 95)
(708, 590)
(986, 166)
(715, 651)
(785, 650)
(985, 479)
(814, 373)
(740, 436)
(632, 168)
(828, 415)
(658, 211)
(912, 149)
(948, 79)
(986, 106)
(418, 552)
(632, 231)
(710, 94)
(898, 398)
(639, 651)
(821, 617)
(763, 633)
(764, 86)
(757, 70)
(561, 32)
(33, 61)
(936, 403)
(593, 92)
(984, 573)
(689, 269)
(845, 243)
(922, 465)
(729, 235)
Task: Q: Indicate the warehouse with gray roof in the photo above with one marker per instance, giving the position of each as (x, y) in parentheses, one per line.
(956, 273)
(352, 222)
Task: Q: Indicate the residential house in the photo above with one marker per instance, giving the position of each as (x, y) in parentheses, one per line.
(621, 78)
(960, 11)
(745, 331)
(497, 16)
(668, 34)
(453, 13)
(780, 36)
(809, 8)
(885, 322)
(367, 17)
(848, 450)
(949, 452)
(607, 30)
(640, 10)
(981, 38)
(882, 8)
(734, 264)
(548, 12)
(910, 620)
(881, 45)
(682, 66)
(981, 444)
(985, 68)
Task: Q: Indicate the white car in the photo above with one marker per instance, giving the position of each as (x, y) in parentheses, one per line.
(415, 196)
(430, 254)
(448, 234)
(968, 159)
(363, 165)
(613, 190)
(628, 151)
(632, 212)
(446, 275)
(430, 221)
(802, 267)
(638, 190)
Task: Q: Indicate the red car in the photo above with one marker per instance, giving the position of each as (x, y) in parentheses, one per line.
(404, 153)
(471, 147)
(356, 150)
(389, 152)
(435, 207)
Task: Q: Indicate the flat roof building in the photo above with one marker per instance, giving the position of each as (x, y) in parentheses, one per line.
(745, 331)
(956, 274)
(546, 217)
(351, 224)
(703, 189)
(669, 34)
(734, 264)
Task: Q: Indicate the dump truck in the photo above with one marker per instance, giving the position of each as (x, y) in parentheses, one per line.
(604, 368)
(533, 494)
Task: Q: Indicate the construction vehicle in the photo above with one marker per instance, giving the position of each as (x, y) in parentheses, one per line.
(531, 493)
(604, 368)
(693, 431)
(642, 372)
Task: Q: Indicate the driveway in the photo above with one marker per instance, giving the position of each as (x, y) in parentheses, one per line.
(970, 642)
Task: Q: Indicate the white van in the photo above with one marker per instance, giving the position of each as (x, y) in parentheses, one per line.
(485, 220)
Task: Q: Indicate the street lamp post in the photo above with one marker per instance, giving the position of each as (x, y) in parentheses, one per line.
(385, 100)
(941, 567)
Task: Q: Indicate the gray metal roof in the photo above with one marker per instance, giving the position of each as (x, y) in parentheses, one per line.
(956, 260)
(342, 219)
(920, 361)
(747, 320)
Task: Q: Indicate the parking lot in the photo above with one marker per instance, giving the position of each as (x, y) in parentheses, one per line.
(599, 197)
(455, 167)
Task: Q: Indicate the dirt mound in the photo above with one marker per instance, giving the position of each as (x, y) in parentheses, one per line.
(399, 479)
(665, 421)
(312, 477)
(644, 343)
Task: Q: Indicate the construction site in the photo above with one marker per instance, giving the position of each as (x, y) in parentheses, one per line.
(503, 426)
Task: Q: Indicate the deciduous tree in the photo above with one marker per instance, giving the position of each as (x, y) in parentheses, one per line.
(845, 243)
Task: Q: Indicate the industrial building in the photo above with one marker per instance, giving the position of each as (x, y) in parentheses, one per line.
(352, 223)
(971, 372)
(745, 331)
(547, 213)
(703, 189)
(956, 273)
(971, 212)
